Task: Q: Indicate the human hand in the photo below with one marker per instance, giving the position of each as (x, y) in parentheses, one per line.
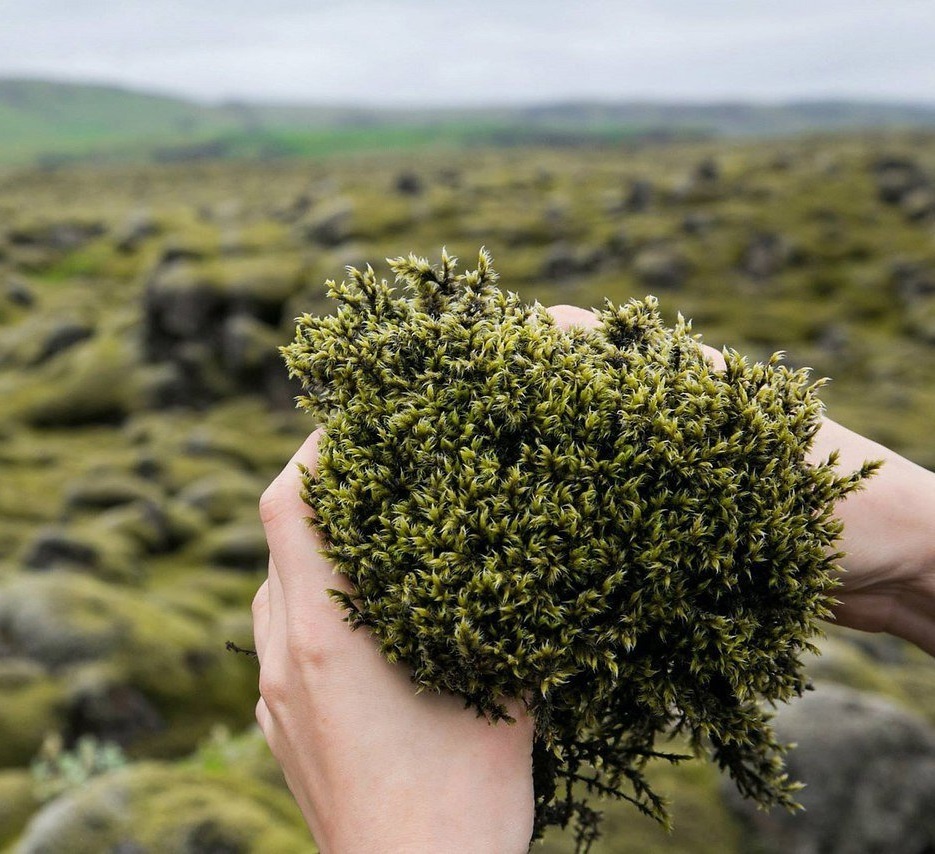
(373, 765)
(889, 527)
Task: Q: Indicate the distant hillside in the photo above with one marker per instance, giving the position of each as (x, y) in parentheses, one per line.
(43, 122)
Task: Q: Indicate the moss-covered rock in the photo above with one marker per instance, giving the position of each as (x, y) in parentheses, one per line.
(33, 702)
(155, 807)
(238, 545)
(222, 495)
(870, 765)
(91, 383)
(170, 663)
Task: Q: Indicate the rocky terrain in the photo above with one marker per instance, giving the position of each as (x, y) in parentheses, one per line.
(145, 407)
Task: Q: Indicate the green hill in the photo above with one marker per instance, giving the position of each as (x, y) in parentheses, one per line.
(47, 123)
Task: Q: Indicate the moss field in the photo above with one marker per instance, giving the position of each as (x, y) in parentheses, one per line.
(143, 408)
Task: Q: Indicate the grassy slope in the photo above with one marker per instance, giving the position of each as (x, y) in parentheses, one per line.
(46, 122)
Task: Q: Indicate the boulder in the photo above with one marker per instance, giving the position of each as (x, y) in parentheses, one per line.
(222, 495)
(663, 267)
(152, 807)
(54, 548)
(159, 662)
(104, 490)
(767, 254)
(896, 177)
(19, 293)
(869, 769)
(239, 546)
(331, 224)
(409, 184)
(59, 235)
(61, 337)
(564, 261)
(135, 231)
(217, 323)
(111, 711)
(639, 196)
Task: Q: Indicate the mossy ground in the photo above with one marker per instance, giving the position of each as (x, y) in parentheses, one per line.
(563, 226)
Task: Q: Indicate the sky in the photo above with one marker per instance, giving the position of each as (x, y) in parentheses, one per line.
(441, 52)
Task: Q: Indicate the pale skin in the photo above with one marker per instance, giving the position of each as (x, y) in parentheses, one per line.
(376, 767)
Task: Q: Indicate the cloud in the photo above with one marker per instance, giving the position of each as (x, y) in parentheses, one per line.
(422, 51)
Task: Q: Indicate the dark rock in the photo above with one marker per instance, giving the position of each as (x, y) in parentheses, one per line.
(64, 236)
(294, 210)
(211, 837)
(18, 293)
(223, 495)
(61, 337)
(639, 196)
(619, 245)
(409, 184)
(698, 223)
(897, 177)
(237, 546)
(912, 282)
(186, 310)
(565, 261)
(707, 170)
(53, 548)
(175, 251)
(869, 766)
(103, 491)
(767, 254)
(134, 232)
(661, 267)
(919, 204)
(111, 712)
(332, 225)
(216, 323)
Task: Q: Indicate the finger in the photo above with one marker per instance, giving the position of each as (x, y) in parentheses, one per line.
(302, 572)
(263, 718)
(261, 620)
(278, 612)
(566, 316)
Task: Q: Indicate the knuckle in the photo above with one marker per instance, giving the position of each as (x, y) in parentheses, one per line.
(260, 600)
(273, 688)
(306, 653)
(272, 502)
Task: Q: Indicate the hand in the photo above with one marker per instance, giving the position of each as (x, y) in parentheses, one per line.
(889, 527)
(374, 766)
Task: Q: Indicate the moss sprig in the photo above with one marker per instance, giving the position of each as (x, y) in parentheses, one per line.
(595, 521)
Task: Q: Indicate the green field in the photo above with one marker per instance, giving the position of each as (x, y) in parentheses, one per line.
(145, 407)
(50, 124)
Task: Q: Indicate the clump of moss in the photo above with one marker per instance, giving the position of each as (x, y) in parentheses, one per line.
(596, 521)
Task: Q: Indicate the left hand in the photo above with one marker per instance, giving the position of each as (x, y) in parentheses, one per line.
(374, 766)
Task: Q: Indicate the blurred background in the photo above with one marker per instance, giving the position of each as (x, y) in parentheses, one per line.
(178, 180)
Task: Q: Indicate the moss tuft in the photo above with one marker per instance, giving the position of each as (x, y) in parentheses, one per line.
(595, 521)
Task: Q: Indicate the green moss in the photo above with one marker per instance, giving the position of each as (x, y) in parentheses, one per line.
(595, 521)
(17, 804)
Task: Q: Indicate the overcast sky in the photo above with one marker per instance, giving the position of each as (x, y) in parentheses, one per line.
(430, 52)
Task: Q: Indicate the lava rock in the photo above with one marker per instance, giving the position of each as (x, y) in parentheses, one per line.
(869, 769)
